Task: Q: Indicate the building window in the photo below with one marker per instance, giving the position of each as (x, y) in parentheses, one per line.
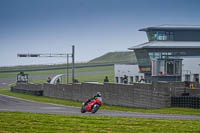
(121, 79)
(171, 36)
(161, 68)
(169, 53)
(170, 67)
(196, 78)
(151, 56)
(160, 35)
(117, 79)
(160, 55)
(177, 67)
(164, 55)
(164, 67)
(187, 77)
(157, 55)
(136, 78)
(125, 79)
(131, 79)
(150, 36)
(143, 58)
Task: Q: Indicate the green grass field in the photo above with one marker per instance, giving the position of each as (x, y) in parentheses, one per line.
(184, 111)
(108, 58)
(17, 122)
(55, 72)
(116, 57)
(32, 122)
(83, 78)
(39, 66)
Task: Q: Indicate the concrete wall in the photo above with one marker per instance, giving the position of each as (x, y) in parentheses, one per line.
(137, 95)
(33, 89)
(155, 95)
(177, 89)
(29, 86)
(194, 92)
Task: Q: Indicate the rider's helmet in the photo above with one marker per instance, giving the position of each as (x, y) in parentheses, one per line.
(98, 94)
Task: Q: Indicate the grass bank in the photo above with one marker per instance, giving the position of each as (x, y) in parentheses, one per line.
(183, 111)
(55, 72)
(83, 78)
(32, 122)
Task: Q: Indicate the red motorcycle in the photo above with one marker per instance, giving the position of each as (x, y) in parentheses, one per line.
(93, 106)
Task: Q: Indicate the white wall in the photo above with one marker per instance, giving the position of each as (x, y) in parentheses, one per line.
(190, 66)
(128, 70)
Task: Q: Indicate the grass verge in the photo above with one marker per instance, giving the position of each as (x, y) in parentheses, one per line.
(183, 111)
(32, 122)
(59, 71)
(40, 98)
(82, 78)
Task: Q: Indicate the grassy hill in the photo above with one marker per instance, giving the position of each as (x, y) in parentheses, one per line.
(115, 57)
(40, 66)
(109, 58)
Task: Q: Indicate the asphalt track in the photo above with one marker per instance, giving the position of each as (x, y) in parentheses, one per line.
(8, 103)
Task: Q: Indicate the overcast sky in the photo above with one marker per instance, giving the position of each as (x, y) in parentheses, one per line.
(95, 27)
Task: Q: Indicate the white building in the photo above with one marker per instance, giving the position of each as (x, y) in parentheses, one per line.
(171, 54)
(130, 70)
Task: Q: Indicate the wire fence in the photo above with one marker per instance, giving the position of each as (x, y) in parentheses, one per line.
(186, 102)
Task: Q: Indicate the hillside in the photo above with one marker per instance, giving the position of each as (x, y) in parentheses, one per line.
(109, 58)
(115, 57)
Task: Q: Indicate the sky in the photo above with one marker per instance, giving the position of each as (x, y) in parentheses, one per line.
(95, 27)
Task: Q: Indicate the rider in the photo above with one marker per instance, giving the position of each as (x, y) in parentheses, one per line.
(93, 98)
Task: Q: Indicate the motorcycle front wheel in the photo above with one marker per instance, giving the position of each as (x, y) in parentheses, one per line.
(95, 108)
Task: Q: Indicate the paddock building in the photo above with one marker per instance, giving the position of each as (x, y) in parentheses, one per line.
(171, 54)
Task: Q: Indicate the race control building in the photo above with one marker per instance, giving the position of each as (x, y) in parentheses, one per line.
(172, 53)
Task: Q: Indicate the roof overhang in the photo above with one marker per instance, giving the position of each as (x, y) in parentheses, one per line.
(167, 45)
(172, 27)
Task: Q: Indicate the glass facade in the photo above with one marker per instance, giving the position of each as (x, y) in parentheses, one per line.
(165, 63)
(160, 35)
(142, 57)
(143, 60)
(160, 55)
(166, 67)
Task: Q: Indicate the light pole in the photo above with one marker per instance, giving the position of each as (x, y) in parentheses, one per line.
(73, 63)
(67, 68)
(56, 55)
